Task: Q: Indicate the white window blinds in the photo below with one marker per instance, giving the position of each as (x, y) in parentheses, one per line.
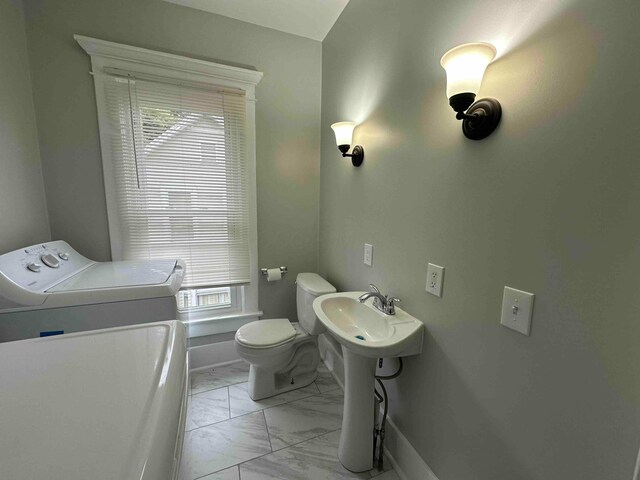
(179, 174)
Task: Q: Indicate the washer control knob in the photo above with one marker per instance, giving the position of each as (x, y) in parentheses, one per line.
(50, 260)
(64, 256)
(34, 267)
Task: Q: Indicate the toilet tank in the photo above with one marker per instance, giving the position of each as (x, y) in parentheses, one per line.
(309, 287)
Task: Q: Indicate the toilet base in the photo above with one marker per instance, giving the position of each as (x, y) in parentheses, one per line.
(265, 384)
(281, 368)
(299, 371)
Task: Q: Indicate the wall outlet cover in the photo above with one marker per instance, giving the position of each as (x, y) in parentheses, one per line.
(435, 279)
(517, 310)
(368, 254)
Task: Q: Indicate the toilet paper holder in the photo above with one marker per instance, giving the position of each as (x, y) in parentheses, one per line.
(283, 271)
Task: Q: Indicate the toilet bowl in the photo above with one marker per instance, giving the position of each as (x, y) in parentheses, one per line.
(284, 355)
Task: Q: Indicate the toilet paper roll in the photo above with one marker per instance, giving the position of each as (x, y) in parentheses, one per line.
(273, 274)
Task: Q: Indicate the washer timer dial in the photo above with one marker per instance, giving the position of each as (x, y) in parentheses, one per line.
(34, 267)
(50, 260)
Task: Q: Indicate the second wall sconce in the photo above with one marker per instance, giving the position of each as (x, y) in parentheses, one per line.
(344, 136)
(465, 66)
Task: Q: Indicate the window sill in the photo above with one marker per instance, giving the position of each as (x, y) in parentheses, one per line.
(214, 324)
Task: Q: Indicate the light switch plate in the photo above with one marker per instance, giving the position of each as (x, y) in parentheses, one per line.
(435, 278)
(517, 310)
(368, 254)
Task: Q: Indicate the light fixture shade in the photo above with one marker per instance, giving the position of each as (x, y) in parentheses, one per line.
(465, 66)
(344, 132)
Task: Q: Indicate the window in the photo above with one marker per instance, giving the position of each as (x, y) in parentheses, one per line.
(204, 299)
(180, 177)
(178, 145)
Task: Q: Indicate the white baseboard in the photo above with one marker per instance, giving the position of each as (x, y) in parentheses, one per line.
(213, 354)
(202, 327)
(406, 461)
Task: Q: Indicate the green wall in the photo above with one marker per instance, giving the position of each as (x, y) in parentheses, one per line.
(23, 213)
(287, 121)
(547, 204)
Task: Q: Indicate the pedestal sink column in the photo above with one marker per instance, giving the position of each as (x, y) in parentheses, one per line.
(356, 439)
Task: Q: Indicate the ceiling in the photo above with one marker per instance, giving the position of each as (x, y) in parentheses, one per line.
(307, 18)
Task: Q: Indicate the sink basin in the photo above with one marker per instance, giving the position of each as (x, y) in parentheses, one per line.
(365, 334)
(367, 331)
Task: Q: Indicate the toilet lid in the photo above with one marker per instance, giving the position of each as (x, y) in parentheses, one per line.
(266, 333)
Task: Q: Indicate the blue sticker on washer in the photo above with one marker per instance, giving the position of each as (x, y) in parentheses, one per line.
(51, 333)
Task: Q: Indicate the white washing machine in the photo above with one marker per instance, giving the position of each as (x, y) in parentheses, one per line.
(101, 405)
(50, 289)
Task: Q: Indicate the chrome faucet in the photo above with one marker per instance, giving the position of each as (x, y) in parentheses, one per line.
(378, 298)
(382, 302)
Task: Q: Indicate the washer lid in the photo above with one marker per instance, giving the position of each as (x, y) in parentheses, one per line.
(266, 333)
(314, 284)
(130, 273)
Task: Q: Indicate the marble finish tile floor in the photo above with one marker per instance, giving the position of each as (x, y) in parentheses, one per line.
(206, 408)
(301, 420)
(240, 403)
(218, 377)
(294, 435)
(325, 380)
(316, 458)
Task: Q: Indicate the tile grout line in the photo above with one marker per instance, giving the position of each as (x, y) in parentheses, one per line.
(255, 411)
(212, 423)
(218, 388)
(260, 456)
(237, 465)
(306, 440)
(266, 426)
(212, 371)
(319, 394)
(291, 401)
(279, 450)
(221, 421)
(315, 382)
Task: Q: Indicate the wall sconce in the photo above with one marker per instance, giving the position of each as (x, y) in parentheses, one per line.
(344, 135)
(465, 66)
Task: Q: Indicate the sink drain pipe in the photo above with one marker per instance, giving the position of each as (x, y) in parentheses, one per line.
(378, 433)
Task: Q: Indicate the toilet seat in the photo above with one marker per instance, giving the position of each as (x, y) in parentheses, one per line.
(266, 333)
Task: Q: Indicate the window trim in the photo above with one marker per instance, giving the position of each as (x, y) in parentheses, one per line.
(107, 56)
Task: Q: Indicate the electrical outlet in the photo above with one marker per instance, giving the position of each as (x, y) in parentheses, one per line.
(517, 309)
(435, 278)
(368, 254)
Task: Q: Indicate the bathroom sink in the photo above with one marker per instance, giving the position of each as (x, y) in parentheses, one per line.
(365, 334)
(366, 331)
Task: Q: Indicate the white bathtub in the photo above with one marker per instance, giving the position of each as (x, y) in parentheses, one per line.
(106, 404)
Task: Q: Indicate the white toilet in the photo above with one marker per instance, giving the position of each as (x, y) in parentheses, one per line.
(284, 355)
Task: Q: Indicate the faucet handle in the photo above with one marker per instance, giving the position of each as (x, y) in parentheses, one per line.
(373, 288)
(392, 300)
(390, 308)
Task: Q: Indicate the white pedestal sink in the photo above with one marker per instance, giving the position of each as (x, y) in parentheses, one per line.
(365, 334)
